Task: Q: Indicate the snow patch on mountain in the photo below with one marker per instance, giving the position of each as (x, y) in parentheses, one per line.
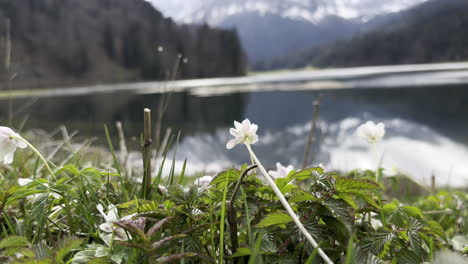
(215, 11)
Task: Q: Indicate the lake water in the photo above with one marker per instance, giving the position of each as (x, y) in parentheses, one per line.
(426, 122)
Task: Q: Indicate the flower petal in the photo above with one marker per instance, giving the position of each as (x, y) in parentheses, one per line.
(232, 143)
(107, 226)
(20, 144)
(234, 132)
(24, 181)
(274, 174)
(8, 158)
(101, 210)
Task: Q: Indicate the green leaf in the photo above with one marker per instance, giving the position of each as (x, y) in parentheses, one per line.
(345, 184)
(347, 188)
(299, 196)
(67, 245)
(414, 239)
(70, 168)
(283, 185)
(437, 229)
(412, 211)
(97, 172)
(242, 252)
(379, 242)
(305, 174)
(274, 219)
(224, 178)
(348, 199)
(407, 256)
(313, 256)
(341, 210)
(14, 241)
(324, 183)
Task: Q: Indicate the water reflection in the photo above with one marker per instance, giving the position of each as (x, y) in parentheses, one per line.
(89, 113)
(429, 153)
(426, 126)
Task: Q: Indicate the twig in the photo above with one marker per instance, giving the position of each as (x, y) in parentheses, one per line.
(445, 211)
(433, 184)
(123, 148)
(146, 154)
(310, 139)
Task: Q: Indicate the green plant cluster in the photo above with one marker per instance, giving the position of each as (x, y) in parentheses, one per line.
(236, 219)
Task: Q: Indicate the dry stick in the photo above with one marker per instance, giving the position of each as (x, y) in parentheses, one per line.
(232, 219)
(310, 139)
(147, 154)
(123, 148)
(433, 184)
(287, 206)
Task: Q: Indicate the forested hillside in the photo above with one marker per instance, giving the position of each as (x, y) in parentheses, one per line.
(69, 42)
(432, 32)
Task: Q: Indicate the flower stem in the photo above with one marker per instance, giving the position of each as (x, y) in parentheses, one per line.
(287, 206)
(377, 162)
(37, 153)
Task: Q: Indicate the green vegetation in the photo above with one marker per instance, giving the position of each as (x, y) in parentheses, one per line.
(93, 214)
(66, 42)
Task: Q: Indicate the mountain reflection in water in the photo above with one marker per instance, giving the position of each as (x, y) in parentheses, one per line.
(426, 126)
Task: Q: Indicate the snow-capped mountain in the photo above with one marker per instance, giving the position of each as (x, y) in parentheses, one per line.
(271, 28)
(214, 12)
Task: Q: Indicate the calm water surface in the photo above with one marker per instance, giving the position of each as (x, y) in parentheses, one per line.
(426, 127)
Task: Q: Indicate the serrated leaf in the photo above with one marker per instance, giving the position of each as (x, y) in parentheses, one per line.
(379, 242)
(324, 183)
(437, 229)
(346, 184)
(348, 199)
(285, 259)
(407, 256)
(284, 186)
(349, 189)
(66, 246)
(412, 211)
(274, 219)
(14, 241)
(301, 196)
(226, 177)
(305, 174)
(342, 211)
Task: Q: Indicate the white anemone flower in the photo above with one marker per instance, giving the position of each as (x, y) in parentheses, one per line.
(25, 181)
(244, 133)
(110, 218)
(8, 144)
(281, 171)
(204, 181)
(371, 132)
